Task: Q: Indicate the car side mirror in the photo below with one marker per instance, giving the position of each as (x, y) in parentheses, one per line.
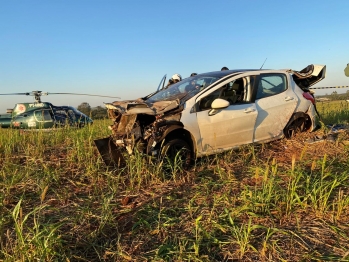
(217, 105)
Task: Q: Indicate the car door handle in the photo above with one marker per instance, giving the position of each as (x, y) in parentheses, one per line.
(249, 110)
(288, 98)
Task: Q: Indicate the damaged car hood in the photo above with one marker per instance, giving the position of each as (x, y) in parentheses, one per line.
(131, 107)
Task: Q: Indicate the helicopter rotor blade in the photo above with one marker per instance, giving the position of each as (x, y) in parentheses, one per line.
(26, 94)
(38, 94)
(80, 94)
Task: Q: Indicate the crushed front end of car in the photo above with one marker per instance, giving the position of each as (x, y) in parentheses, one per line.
(137, 125)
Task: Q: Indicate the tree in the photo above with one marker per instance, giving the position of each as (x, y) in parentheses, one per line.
(99, 113)
(85, 108)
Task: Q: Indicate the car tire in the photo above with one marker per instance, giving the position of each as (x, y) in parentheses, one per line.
(296, 126)
(177, 150)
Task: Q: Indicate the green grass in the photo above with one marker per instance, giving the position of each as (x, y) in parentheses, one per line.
(334, 111)
(282, 201)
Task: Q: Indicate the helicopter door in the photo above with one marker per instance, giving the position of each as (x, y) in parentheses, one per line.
(44, 119)
(72, 117)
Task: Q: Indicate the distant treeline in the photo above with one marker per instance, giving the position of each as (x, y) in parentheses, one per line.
(95, 112)
(335, 96)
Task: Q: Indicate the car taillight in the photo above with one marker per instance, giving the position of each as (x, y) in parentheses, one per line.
(309, 97)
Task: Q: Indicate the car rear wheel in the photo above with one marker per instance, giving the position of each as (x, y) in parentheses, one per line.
(297, 126)
(177, 151)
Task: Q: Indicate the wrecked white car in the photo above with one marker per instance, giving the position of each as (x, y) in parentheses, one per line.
(213, 112)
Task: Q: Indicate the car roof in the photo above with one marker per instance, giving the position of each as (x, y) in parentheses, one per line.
(226, 72)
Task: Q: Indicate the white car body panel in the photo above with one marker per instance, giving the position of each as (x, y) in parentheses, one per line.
(228, 128)
(302, 104)
(274, 112)
(190, 123)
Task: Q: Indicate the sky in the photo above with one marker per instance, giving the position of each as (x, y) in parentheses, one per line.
(123, 48)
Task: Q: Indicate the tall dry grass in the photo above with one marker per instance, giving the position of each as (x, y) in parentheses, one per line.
(282, 201)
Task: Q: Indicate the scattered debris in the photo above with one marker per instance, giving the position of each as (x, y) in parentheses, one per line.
(332, 134)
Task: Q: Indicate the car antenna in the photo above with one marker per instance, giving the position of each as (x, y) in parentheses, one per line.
(263, 63)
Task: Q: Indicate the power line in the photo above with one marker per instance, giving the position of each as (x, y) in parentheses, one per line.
(326, 87)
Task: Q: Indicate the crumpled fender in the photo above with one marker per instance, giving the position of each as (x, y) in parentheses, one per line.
(169, 130)
(296, 116)
(171, 127)
(130, 107)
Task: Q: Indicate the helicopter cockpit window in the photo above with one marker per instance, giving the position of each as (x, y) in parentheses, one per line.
(61, 116)
(71, 114)
(43, 115)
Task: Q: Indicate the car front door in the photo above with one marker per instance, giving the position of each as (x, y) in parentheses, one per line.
(231, 126)
(275, 103)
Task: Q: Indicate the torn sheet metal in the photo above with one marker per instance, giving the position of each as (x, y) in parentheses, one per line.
(138, 107)
(309, 75)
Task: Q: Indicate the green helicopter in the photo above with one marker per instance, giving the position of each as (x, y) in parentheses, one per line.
(40, 115)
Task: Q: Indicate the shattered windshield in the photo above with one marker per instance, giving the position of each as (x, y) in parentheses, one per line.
(184, 89)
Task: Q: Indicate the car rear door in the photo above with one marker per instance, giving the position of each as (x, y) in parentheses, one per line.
(229, 127)
(275, 103)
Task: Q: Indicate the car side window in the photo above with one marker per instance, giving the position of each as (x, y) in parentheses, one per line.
(271, 84)
(205, 103)
(236, 91)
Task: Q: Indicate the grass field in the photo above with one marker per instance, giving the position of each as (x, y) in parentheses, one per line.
(334, 111)
(282, 201)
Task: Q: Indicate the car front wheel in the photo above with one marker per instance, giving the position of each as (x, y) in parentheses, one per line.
(177, 151)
